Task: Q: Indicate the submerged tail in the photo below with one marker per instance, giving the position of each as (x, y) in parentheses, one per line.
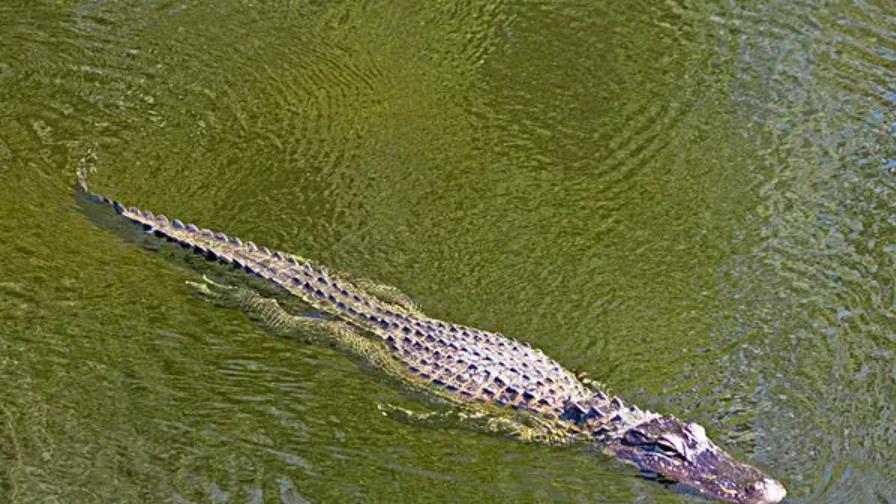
(82, 183)
(85, 168)
(295, 274)
(314, 285)
(230, 250)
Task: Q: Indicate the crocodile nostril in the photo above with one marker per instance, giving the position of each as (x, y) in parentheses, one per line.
(768, 491)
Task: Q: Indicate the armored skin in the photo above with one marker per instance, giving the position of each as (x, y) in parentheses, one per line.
(493, 377)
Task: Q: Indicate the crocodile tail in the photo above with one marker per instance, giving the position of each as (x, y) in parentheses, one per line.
(82, 173)
(82, 183)
(279, 268)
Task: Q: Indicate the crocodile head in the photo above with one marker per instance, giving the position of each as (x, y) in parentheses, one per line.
(672, 450)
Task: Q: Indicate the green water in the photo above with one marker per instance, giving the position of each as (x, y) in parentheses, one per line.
(692, 202)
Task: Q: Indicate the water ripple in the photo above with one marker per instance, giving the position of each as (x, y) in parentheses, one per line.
(692, 201)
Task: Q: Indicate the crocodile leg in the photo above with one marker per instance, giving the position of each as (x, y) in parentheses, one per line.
(317, 330)
(524, 429)
(225, 296)
(275, 319)
(264, 310)
(389, 294)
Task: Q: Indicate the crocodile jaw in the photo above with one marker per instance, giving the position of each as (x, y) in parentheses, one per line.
(681, 452)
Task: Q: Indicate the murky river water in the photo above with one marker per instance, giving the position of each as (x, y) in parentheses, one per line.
(692, 202)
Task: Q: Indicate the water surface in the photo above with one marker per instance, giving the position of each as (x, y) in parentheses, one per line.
(692, 202)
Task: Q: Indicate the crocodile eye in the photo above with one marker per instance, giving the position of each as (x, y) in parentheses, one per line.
(673, 446)
(667, 448)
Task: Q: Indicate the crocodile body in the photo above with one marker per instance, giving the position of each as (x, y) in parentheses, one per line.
(473, 367)
(467, 363)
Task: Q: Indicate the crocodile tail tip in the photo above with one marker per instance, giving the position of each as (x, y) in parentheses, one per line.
(81, 180)
(82, 173)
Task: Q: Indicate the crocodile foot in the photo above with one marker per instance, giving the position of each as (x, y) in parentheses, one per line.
(266, 311)
(226, 296)
(389, 294)
(527, 430)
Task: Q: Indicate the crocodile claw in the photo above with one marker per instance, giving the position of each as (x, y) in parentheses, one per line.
(216, 293)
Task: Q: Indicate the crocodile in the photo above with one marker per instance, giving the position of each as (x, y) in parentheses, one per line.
(493, 381)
